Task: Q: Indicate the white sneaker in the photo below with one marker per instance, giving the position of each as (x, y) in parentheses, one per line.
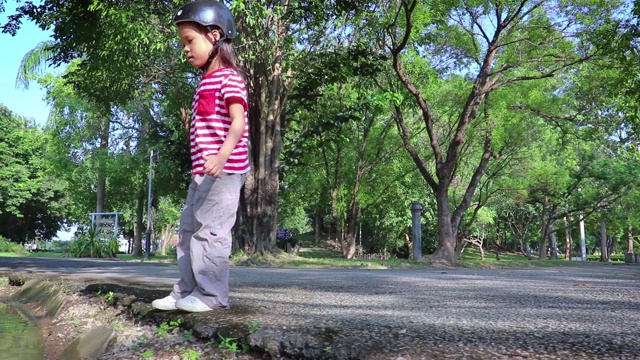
(166, 303)
(192, 304)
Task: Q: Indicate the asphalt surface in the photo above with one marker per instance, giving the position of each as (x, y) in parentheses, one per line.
(568, 312)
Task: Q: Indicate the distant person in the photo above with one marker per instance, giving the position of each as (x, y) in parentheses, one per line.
(220, 159)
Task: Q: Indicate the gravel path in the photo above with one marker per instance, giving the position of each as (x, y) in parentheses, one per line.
(569, 312)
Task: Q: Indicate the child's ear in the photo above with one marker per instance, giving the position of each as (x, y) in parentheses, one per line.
(214, 35)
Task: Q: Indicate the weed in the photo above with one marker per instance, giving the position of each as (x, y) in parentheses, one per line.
(254, 327)
(228, 344)
(191, 354)
(109, 296)
(147, 354)
(117, 326)
(162, 330)
(188, 335)
(327, 350)
(165, 327)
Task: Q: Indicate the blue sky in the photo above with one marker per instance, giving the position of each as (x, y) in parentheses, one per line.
(27, 103)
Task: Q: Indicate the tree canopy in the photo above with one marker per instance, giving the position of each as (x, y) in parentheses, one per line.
(519, 117)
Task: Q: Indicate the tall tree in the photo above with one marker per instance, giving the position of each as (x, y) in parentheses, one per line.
(32, 200)
(496, 44)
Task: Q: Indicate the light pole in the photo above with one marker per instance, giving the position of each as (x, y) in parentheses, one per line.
(147, 244)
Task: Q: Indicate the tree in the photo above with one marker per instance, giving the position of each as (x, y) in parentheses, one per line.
(32, 201)
(495, 44)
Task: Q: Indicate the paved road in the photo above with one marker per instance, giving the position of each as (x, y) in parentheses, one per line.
(571, 312)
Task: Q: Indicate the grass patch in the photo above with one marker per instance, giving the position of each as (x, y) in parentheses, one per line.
(471, 258)
(51, 254)
(321, 258)
(152, 258)
(48, 254)
(10, 254)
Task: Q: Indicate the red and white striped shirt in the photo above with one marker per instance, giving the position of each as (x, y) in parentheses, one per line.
(210, 121)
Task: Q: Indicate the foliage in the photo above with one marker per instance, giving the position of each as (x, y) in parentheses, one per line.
(32, 200)
(228, 343)
(93, 244)
(493, 115)
(294, 218)
(6, 246)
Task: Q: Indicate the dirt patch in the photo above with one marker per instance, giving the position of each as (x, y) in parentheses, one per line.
(89, 305)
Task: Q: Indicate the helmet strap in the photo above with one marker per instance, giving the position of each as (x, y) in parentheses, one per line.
(212, 54)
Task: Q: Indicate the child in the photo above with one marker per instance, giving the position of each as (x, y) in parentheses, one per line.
(219, 157)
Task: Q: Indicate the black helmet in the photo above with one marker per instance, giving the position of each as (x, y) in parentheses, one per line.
(208, 13)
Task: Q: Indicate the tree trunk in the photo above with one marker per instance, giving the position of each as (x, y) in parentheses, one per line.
(554, 246)
(568, 239)
(350, 247)
(317, 226)
(629, 239)
(103, 153)
(611, 244)
(447, 236)
(167, 238)
(604, 255)
(137, 243)
(545, 229)
(354, 206)
(261, 187)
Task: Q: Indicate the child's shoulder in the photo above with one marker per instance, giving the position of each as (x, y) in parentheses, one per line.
(222, 77)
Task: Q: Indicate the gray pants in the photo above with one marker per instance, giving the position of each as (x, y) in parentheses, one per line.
(205, 241)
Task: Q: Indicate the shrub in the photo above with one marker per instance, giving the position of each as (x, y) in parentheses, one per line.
(90, 244)
(8, 246)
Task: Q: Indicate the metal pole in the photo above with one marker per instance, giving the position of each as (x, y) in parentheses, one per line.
(147, 245)
(416, 230)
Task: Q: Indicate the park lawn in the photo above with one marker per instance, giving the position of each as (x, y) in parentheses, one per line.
(45, 254)
(10, 254)
(154, 257)
(321, 258)
(471, 258)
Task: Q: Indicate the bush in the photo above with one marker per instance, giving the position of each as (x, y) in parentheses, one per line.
(91, 245)
(171, 251)
(8, 246)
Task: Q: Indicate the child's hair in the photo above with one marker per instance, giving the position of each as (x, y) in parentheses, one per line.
(226, 54)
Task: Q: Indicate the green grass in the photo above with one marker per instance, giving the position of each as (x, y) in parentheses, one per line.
(322, 257)
(45, 254)
(471, 258)
(154, 257)
(315, 254)
(10, 254)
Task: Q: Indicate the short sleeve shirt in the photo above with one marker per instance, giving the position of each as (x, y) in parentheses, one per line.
(211, 121)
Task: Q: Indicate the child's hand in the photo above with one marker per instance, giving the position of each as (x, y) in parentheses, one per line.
(213, 165)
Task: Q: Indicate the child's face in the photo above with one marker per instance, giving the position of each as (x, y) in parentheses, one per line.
(197, 43)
